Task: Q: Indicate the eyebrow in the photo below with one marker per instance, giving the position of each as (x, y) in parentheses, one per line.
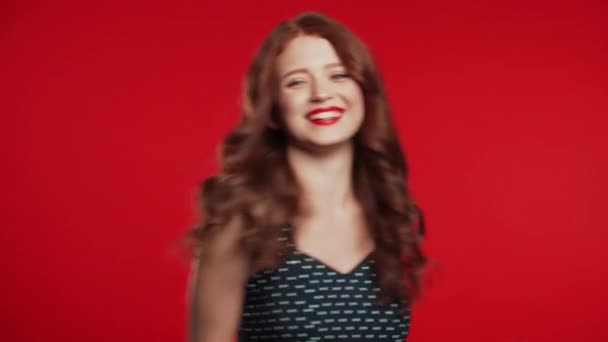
(295, 71)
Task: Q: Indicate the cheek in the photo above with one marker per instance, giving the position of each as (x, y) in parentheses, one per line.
(358, 104)
(355, 97)
(292, 103)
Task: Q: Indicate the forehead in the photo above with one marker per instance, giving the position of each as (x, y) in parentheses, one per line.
(306, 52)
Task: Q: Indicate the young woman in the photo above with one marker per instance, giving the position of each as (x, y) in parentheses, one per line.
(308, 230)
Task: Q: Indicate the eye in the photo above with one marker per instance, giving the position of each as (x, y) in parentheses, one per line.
(340, 76)
(294, 83)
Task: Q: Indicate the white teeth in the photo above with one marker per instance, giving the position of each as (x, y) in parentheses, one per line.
(324, 115)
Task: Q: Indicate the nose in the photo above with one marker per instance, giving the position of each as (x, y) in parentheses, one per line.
(320, 91)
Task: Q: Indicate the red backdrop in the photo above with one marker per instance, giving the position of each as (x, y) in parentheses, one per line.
(111, 114)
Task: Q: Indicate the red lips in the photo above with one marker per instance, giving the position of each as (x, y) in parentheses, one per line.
(325, 109)
(325, 121)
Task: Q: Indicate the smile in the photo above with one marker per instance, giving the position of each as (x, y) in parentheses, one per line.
(325, 116)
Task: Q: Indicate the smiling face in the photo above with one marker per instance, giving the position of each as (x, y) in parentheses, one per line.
(321, 105)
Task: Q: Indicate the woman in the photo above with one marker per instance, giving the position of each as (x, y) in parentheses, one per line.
(308, 230)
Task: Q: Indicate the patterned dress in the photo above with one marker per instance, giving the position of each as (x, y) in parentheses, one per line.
(305, 300)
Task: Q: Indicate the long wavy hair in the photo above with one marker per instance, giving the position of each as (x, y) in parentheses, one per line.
(256, 183)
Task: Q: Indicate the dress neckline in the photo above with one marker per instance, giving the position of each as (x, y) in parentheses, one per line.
(288, 230)
(368, 258)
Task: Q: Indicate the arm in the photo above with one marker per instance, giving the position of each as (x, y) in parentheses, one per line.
(217, 287)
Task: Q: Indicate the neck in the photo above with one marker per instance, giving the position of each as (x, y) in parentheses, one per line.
(325, 178)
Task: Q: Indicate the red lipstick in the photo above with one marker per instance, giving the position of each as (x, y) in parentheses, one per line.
(325, 121)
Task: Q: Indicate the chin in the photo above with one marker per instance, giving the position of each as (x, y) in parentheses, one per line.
(332, 142)
(323, 141)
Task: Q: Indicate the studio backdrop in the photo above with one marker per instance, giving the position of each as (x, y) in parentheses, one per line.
(112, 111)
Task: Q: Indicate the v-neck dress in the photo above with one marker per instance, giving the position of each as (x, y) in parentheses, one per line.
(304, 299)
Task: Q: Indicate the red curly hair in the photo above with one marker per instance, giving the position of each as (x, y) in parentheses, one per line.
(256, 182)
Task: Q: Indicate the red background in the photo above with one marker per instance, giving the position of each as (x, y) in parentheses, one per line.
(111, 113)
